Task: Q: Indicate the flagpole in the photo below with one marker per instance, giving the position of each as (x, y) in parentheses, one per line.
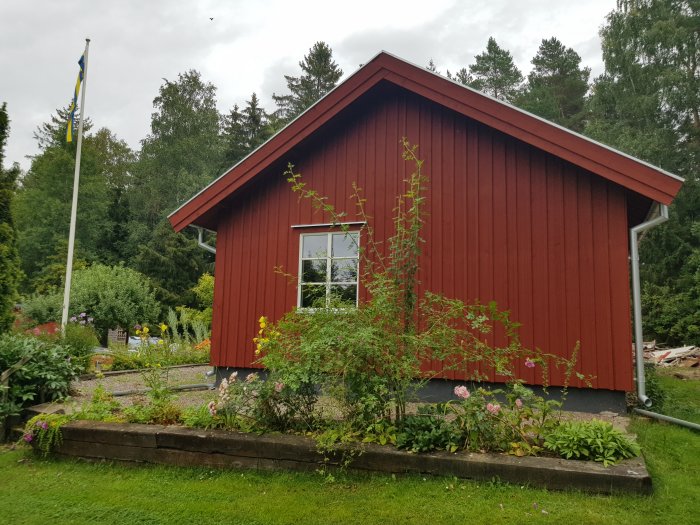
(74, 206)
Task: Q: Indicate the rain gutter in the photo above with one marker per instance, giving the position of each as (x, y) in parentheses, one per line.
(660, 214)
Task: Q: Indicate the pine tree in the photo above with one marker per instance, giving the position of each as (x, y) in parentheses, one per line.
(463, 77)
(495, 73)
(9, 256)
(320, 74)
(557, 85)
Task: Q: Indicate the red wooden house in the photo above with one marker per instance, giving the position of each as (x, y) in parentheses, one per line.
(520, 211)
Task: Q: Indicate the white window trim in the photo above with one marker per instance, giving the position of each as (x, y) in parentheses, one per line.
(329, 258)
(330, 225)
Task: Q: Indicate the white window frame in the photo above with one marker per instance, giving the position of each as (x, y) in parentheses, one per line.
(329, 260)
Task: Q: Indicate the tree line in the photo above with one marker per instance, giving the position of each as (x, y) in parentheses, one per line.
(645, 103)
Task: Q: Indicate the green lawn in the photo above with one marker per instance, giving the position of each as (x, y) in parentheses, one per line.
(50, 491)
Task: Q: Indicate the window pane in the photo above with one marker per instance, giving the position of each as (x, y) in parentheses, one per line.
(344, 245)
(343, 270)
(314, 271)
(314, 245)
(313, 296)
(345, 294)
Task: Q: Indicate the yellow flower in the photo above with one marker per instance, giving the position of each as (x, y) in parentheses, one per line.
(145, 330)
(262, 320)
(138, 332)
(163, 327)
(161, 342)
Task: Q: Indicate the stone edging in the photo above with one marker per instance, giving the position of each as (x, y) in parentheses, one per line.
(108, 373)
(180, 446)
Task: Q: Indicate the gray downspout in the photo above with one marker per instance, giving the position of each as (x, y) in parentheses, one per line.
(201, 243)
(209, 248)
(637, 300)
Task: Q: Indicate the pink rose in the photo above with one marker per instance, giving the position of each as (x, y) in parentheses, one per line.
(279, 387)
(529, 363)
(494, 409)
(462, 392)
(519, 403)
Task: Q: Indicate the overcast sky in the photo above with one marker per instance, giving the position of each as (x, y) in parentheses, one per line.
(246, 46)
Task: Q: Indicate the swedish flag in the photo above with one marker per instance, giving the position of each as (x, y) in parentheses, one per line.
(74, 102)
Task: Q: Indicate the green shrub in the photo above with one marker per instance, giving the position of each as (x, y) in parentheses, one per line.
(45, 376)
(113, 296)
(161, 412)
(81, 340)
(43, 308)
(593, 440)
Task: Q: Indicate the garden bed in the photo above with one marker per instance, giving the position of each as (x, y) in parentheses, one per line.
(216, 448)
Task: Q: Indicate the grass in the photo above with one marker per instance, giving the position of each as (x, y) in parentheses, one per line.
(681, 396)
(61, 491)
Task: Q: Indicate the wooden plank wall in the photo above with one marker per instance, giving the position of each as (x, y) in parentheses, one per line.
(506, 222)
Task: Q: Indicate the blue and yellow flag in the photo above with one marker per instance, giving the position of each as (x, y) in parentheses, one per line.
(74, 102)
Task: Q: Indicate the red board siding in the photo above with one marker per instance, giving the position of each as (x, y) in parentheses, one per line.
(505, 222)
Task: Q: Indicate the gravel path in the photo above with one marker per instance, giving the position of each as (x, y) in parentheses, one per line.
(82, 390)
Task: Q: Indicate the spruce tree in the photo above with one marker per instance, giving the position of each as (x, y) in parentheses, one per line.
(255, 124)
(320, 74)
(557, 85)
(495, 73)
(243, 131)
(9, 256)
(234, 140)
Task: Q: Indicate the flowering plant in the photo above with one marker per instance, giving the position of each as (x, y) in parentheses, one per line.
(43, 432)
(260, 404)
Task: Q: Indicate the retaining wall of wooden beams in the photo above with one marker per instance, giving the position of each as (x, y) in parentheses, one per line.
(216, 448)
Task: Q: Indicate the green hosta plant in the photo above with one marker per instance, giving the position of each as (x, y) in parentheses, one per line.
(594, 440)
(429, 430)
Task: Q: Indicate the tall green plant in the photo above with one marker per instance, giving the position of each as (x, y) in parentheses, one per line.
(369, 358)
